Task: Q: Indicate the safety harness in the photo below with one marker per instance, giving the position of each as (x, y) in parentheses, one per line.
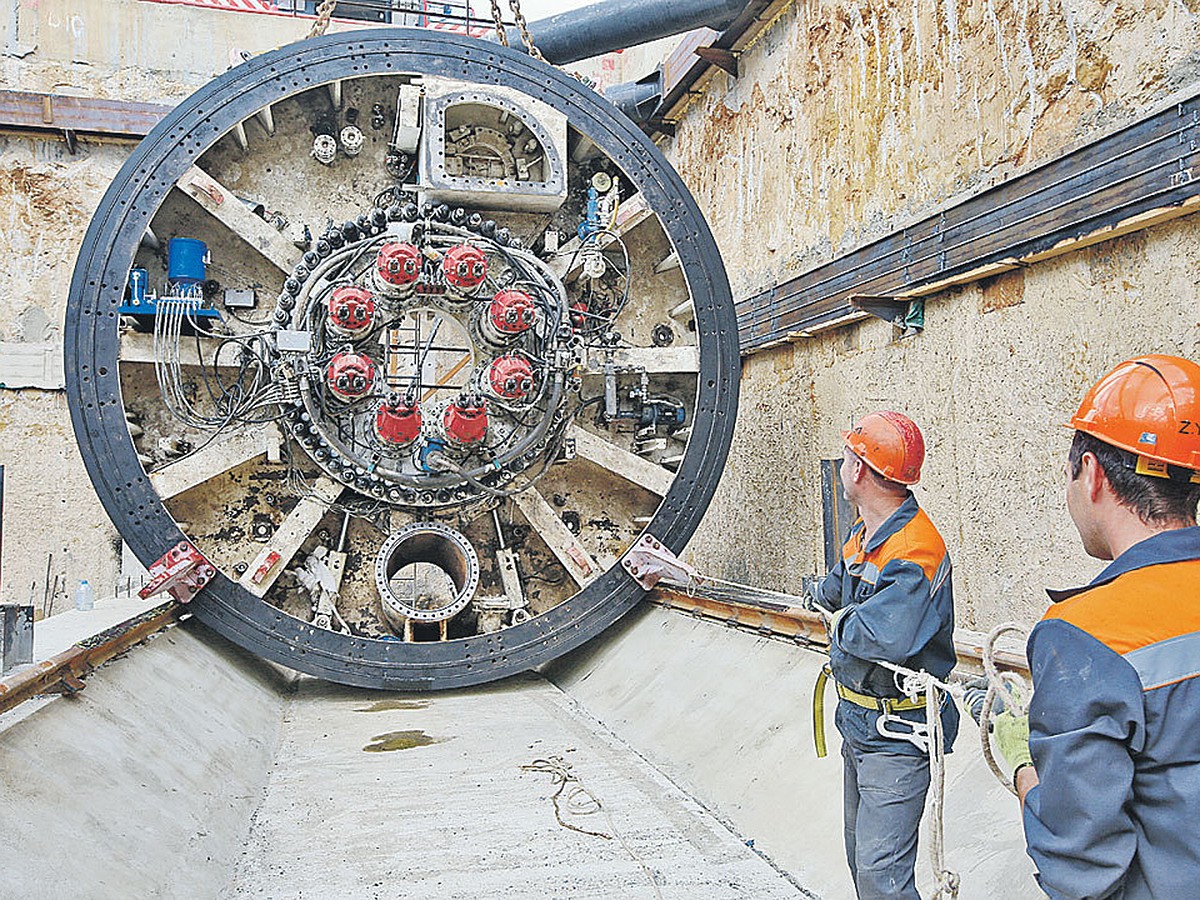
(886, 706)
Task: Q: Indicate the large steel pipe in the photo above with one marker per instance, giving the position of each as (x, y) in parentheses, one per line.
(617, 24)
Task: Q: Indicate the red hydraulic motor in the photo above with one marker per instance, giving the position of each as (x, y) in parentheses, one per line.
(465, 421)
(511, 376)
(351, 310)
(350, 375)
(398, 422)
(465, 268)
(511, 314)
(397, 268)
(579, 315)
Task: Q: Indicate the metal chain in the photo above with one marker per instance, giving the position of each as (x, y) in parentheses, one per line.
(523, 27)
(324, 13)
(498, 19)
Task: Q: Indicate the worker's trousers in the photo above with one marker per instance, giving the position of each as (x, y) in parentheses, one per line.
(884, 797)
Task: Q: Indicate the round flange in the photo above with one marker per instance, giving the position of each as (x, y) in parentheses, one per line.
(439, 547)
(92, 344)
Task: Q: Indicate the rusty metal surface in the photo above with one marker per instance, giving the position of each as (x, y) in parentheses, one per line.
(685, 67)
(63, 672)
(83, 115)
(741, 609)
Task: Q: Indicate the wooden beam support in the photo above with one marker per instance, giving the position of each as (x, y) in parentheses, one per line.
(215, 459)
(266, 567)
(138, 347)
(629, 466)
(224, 205)
(580, 565)
(655, 360)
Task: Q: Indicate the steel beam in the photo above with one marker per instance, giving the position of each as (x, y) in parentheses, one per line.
(617, 24)
(62, 673)
(792, 622)
(1132, 178)
(82, 115)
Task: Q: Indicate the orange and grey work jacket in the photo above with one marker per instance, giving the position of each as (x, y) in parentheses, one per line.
(1114, 727)
(898, 604)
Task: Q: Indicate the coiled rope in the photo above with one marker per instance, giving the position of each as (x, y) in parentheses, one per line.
(580, 801)
(913, 684)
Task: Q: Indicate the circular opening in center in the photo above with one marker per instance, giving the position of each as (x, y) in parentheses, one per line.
(426, 573)
(424, 586)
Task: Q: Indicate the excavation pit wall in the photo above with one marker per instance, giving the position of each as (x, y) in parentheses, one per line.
(188, 769)
(849, 121)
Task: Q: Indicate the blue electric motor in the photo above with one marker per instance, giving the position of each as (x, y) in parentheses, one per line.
(186, 259)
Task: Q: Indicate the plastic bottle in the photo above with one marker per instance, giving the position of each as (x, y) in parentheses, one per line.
(84, 598)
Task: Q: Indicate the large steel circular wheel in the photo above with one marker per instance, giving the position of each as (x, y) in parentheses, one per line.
(635, 396)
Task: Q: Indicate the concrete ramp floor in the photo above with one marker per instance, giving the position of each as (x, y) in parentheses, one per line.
(386, 796)
(189, 770)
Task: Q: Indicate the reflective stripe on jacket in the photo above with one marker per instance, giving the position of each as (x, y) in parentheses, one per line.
(899, 607)
(1115, 729)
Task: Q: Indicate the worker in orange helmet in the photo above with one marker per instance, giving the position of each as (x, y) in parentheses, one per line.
(1107, 762)
(890, 600)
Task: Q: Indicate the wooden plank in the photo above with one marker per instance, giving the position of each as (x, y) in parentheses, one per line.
(655, 360)
(215, 459)
(580, 565)
(291, 533)
(237, 217)
(629, 466)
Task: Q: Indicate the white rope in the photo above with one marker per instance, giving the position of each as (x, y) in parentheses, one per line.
(1015, 690)
(914, 685)
(582, 802)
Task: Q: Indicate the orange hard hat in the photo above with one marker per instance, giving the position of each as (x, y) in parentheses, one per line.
(1149, 406)
(890, 443)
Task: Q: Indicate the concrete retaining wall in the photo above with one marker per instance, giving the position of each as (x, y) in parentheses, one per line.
(727, 714)
(143, 784)
(847, 121)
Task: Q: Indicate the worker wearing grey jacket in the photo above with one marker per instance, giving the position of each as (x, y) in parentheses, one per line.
(893, 602)
(1107, 763)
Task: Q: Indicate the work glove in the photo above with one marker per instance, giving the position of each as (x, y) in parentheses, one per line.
(1012, 738)
(975, 692)
(812, 595)
(831, 620)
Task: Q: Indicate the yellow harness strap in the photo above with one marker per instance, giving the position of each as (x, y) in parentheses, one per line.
(882, 704)
(819, 712)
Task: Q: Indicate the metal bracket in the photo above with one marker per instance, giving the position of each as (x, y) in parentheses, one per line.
(722, 59)
(907, 315)
(182, 571)
(648, 561)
